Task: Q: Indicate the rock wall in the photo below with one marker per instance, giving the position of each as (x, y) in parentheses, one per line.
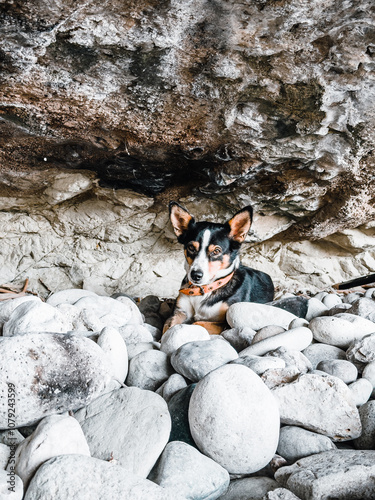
(108, 111)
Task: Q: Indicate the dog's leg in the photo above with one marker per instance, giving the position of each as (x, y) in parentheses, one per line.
(213, 327)
(177, 318)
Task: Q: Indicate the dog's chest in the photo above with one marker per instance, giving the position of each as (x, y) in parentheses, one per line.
(199, 309)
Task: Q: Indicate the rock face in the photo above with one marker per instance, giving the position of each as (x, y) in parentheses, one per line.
(268, 103)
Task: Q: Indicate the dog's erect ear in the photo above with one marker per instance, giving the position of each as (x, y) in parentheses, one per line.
(180, 218)
(240, 224)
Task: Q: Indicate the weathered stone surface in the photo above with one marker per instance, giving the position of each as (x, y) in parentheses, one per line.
(131, 425)
(51, 373)
(297, 339)
(260, 364)
(221, 407)
(366, 441)
(249, 488)
(17, 487)
(362, 351)
(339, 474)
(106, 480)
(184, 470)
(257, 316)
(175, 383)
(296, 443)
(280, 494)
(195, 360)
(241, 106)
(361, 391)
(320, 404)
(341, 330)
(239, 338)
(70, 296)
(178, 335)
(8, 306)
(340, 368)
(322, 352)
(55, 435)
(148, 370)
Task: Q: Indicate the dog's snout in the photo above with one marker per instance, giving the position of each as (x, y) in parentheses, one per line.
(196, 275)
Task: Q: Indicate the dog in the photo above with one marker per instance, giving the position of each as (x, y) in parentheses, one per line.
(215, 277)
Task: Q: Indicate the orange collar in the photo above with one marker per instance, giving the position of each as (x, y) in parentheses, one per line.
(191, 289)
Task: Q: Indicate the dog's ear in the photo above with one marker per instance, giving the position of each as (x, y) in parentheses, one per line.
(180, 218)
(240, 224)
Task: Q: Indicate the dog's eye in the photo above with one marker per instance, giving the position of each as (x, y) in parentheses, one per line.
(216, 251)
(191, 248)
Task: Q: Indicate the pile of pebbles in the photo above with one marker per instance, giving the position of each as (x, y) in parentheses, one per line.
(97, 404)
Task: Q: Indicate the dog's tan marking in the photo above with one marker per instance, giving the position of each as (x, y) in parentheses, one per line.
(217, 265)
(189, 260)
(239, 226)
(180, 219)
(177, 318)
(213, 327)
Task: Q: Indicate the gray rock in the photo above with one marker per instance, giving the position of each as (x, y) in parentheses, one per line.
(149, 304)
(340, 308)
(239, 338)
(279, 376)
(268, 331)
(364, 307)
(362, 351)
(315, 308)
(148, 370)
(183, 470)
(70, 296)
(366, 441)
(257, 316)
(51, 373)
(298, 339)
(361, 391)
(175, 383)
(111, 312)
(340, 330)
(130, 425)
(249, 488)
(114, 347)
(320, 404)
(340, 368)
(339, 474)
(280, 494)
(55, 435)
(296, 323)
(292, 357)
(134, 349)
(34, 317)
(195, 360)
(76, 476)
(370, 293)
(178, 335)
(221, 407)
(322, 352)
(296, 443)
(5, 452)
(11, 437)
(350, 298)
(260, 364)
(10, 481)
(369, 373)
(135, 334)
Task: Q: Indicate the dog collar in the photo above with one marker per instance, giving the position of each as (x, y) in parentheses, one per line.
(191, 289)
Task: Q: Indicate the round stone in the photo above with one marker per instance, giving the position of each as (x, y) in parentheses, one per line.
(339, 368)
(361, 390)
(234, 419)
(321, 352)
(178, 335)
(298, 339)
(257, 316)
(340, 330)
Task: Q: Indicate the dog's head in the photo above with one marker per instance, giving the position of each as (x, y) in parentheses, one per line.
(211, 249)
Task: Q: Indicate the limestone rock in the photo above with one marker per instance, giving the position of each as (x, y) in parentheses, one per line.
(340, 474)
(178, 335)
(148, 370)
(239, 338)
(194, 360)
(260, 364)
(221, 407)
(268, 331)
(175, 383)
(296, 443)
(106, 480)
(111, 312)
(340, 368)
(70, 296)
(135, 334)
(361, 391)
(257, 316)
(320, 404)
(33, 317)
(129, 425)
(55, 435)
(341, 330)
(322, 352)
(183, 470)
(280, 494)
(364, 307)
(8, 306)
(51, 373)
(366, 441)
(292, 357)
(249, 488)
(297, 339)
(363, 350)
(315, 308)
(114, 347)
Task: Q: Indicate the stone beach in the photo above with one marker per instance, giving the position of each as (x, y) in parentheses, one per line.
(247, 414)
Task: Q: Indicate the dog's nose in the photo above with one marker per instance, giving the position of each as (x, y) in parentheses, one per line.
(196, 275)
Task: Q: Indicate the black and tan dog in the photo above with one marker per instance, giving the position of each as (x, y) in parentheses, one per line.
(215, 278)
